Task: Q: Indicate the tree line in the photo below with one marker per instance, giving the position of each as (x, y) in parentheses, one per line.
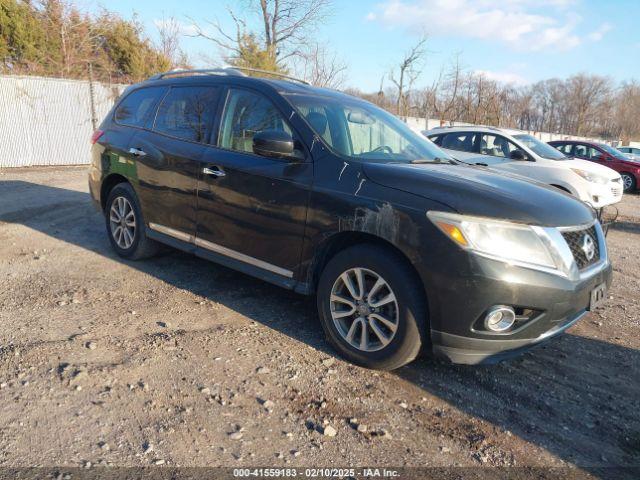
(54, 38)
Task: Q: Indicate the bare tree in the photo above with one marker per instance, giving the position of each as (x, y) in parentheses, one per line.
(170, 31)
(321, 67)
(407, 72)
(444, 91)
(284, 32)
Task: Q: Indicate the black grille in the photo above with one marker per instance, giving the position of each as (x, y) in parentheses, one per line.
(576, 239)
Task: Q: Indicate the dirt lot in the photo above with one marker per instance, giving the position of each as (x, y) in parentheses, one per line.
(178, 362)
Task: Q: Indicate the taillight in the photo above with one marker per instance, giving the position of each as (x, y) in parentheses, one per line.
(96, 136)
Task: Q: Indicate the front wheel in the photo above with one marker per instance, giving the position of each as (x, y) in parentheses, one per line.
(372, 307)
(628, 181)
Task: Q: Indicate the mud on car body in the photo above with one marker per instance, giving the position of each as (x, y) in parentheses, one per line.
(406, 249)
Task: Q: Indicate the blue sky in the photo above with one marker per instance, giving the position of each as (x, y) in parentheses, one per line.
(519, 41)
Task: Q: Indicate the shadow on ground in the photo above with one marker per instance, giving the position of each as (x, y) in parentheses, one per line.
(574, 396)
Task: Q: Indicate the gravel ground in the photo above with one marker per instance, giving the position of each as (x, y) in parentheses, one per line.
(175, 361)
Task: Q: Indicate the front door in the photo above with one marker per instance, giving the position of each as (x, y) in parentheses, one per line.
(252, 208)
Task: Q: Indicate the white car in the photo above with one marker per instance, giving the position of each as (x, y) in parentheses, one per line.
(633, 153)
(519, 153)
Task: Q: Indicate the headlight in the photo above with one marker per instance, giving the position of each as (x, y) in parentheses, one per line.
(501, 240)
(591, 177)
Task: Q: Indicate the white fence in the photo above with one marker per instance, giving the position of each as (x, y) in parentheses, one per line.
(422, 124)
(49, 121)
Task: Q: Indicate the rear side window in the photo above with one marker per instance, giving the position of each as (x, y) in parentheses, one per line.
(437, 139)
(187, 113)
(247, 113)
(462, 142)
(135, 109)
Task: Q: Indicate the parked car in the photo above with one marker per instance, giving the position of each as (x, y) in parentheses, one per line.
(405, 249)
(630, 152)
(520, 153)
(603, 154)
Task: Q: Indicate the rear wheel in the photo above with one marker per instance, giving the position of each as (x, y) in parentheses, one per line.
(372, 307)
(125, 226)
(628, 182)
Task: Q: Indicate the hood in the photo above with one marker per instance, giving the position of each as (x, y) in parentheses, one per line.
(591, 167)
(478, 191)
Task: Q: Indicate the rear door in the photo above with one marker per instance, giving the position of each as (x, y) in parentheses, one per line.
(252, 208)
(168, 156)
(130, 117)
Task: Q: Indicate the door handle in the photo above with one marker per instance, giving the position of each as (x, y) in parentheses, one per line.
(136, 152)
(215, 171)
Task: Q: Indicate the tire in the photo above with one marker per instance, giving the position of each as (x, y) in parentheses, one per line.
(135, 245)
(628, 181)
(405, 341)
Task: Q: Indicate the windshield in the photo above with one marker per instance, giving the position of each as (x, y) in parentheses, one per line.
(540, 148)
(613, 152)
(360, 130)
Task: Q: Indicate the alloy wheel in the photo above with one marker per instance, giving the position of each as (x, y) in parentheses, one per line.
(364, 309)
(627, 181)
(122, 220)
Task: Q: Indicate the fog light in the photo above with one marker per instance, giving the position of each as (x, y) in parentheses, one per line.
(499, 318)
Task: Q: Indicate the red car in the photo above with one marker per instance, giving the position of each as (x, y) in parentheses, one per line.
(604, 155)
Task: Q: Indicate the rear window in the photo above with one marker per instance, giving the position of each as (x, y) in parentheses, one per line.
(187, 113)
(134, 110)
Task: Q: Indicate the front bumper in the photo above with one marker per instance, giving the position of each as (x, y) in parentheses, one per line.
(603, 195)
(561, 304)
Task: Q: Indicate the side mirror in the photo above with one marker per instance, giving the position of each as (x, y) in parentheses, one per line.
(519, 155)
(274, 143)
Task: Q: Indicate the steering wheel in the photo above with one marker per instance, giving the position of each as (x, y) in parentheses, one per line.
(383, 148)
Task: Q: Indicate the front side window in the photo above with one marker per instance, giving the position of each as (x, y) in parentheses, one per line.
(462, 141)
(581, 151)
(245, 114)
(496, 146)
(355, 128)
(135, 109)
(187, 113)
(587, 152)
(565, 148)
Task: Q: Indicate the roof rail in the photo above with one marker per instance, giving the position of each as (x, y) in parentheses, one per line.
(231, 71)
(267, 72)
(202, 71)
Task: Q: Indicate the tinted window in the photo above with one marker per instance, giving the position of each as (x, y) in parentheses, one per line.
(463, 142)
(496, 146)
(187, 113)
(246, 114)
(136, 107)
(437, 139)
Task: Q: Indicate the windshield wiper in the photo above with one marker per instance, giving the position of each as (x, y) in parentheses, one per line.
(435, 160)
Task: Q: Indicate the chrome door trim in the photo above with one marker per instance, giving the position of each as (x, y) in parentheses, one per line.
(185, 237)
(227, 252)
